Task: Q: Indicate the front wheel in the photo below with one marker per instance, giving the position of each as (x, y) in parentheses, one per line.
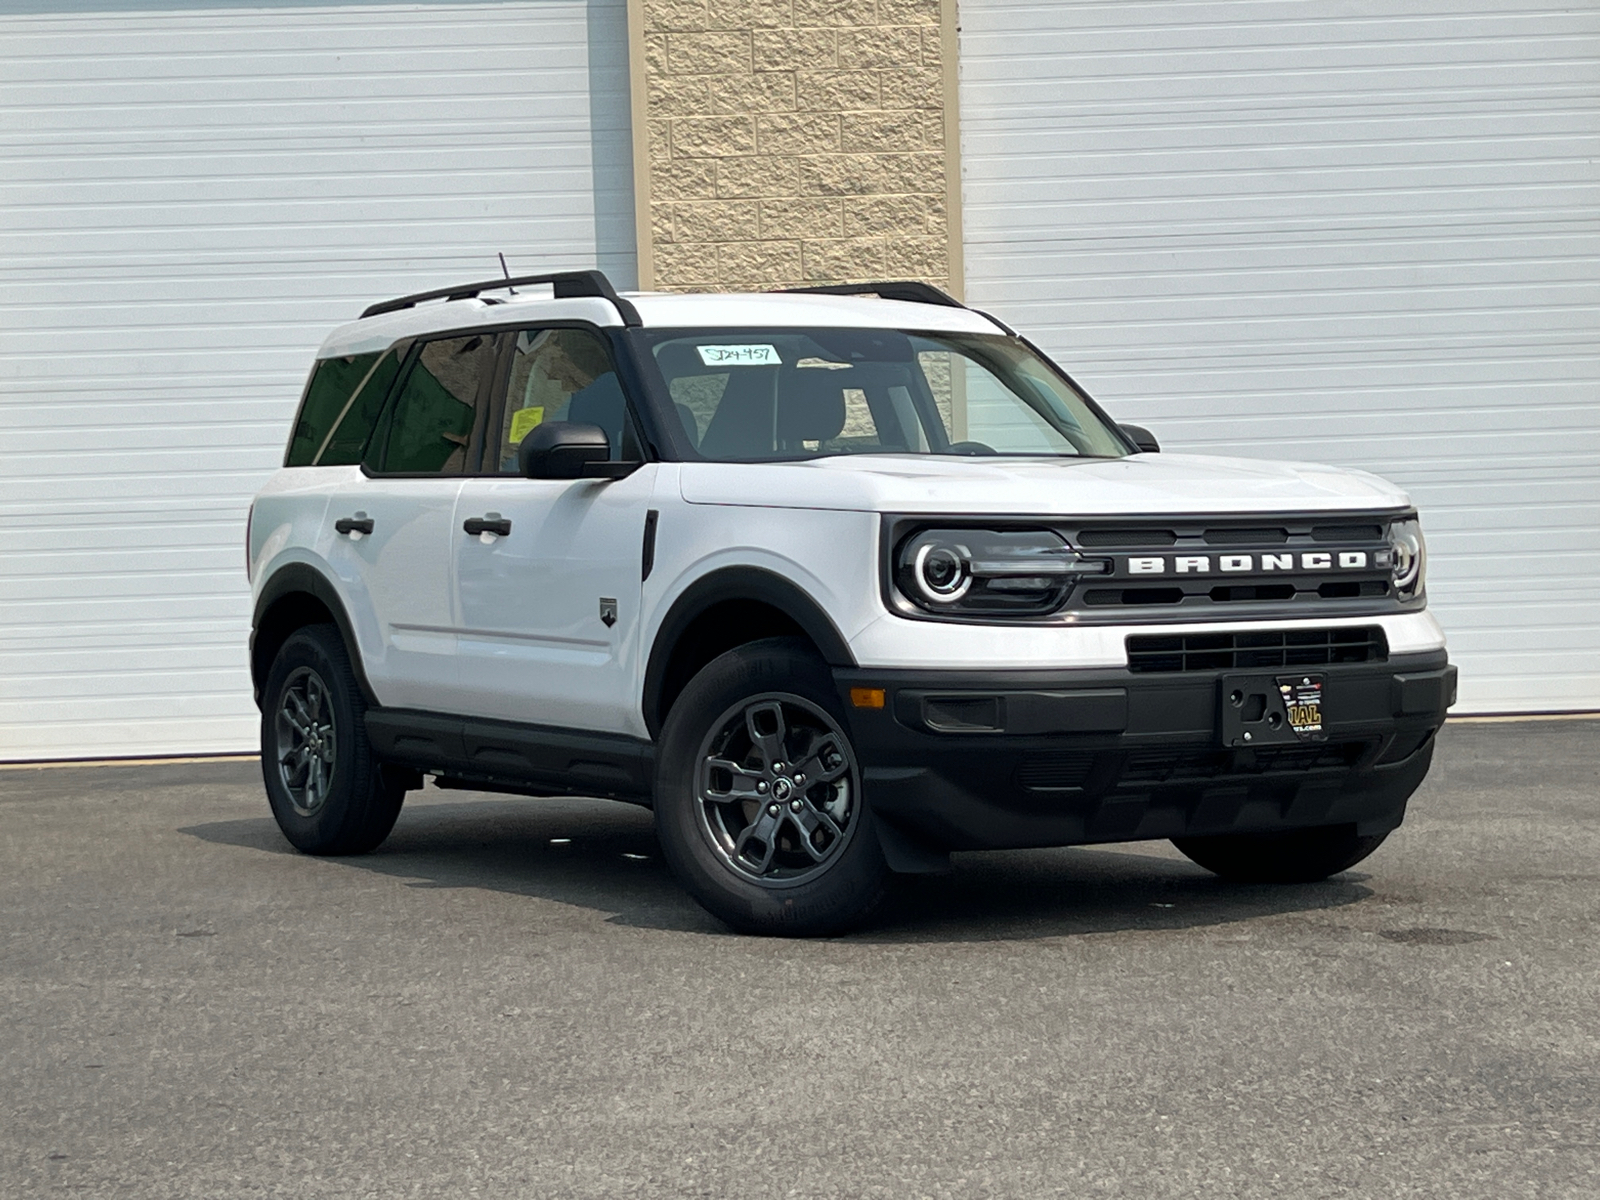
(1296, 856)
(758, 796)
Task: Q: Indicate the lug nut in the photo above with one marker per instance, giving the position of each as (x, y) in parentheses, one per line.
(777, 766)
(761, 786)
(799, 776)
(794, 805)
(772, 810)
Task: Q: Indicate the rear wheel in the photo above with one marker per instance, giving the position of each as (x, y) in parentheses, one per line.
(758, 796)
(328, 793)
(1297, 856)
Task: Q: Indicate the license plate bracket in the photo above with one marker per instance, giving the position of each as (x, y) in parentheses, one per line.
(1271, 710)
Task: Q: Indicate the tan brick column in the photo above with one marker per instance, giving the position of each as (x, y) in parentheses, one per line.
(787, 142)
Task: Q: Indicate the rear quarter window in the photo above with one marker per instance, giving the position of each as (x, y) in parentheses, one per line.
(343, 399)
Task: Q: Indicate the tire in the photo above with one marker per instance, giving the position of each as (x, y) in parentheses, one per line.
(328, 793)
(1298, 856)
(758, 799)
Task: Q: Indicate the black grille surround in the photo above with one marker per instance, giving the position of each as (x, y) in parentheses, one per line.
(1216, 568)
(1167, 570)
(1150, 653)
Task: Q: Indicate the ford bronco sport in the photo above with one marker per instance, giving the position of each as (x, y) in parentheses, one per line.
(836, 582)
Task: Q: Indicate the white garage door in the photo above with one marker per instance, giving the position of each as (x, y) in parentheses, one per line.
(189, 199)
(1363, 233)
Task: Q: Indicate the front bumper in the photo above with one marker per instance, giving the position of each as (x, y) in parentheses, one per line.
(966, 760)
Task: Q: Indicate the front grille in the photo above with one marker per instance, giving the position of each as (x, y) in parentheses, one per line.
(1222, 535)
(1263, 650)
(1097, 597)
(1175, 569)
(1245, 537)
(1096, 538)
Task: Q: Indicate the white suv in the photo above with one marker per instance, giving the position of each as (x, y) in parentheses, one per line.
(837, 582)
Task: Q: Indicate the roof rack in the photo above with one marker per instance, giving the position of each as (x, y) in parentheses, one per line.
(567, 285)
(913, 290)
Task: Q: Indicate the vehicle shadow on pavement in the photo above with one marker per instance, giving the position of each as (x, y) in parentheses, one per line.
(593, 854)
(603, 856)
(1019, 894)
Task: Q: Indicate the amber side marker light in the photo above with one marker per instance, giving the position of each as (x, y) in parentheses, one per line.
(867, 697)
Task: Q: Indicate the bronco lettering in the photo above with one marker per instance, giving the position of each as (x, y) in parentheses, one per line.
(1233, 564)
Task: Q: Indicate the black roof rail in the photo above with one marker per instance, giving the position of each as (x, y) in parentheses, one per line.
(913, 290)
(567, 285)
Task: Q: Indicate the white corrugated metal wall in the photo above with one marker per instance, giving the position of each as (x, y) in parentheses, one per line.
(190, 198)
(1365, 234)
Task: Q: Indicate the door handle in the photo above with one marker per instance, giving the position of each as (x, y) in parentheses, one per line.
(360, 523)
(492, 523)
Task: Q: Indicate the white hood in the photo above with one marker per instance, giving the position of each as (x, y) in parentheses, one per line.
(1152, 484)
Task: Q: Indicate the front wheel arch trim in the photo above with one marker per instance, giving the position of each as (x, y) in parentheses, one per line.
(734, 584)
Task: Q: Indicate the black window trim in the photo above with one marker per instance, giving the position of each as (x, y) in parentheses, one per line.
(620, 354)
(623, 356)
(349, 403)
(377, 447)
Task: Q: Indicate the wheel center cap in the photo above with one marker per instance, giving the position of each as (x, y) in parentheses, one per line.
(782, 789)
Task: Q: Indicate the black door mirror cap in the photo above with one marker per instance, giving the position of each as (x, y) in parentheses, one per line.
(1142, 438)
(562, 449)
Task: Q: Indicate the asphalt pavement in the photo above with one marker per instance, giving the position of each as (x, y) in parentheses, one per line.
(513, 998)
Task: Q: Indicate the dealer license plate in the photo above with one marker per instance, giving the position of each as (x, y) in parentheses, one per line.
(1270, 710)
(1302, 703)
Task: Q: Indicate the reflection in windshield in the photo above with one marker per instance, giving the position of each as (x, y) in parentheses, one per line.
(746, 395)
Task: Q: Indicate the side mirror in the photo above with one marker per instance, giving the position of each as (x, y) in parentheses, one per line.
(1142, 438)
(561, 450)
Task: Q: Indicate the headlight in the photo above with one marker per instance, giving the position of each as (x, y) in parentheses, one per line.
(975, 571)
(1410, 557)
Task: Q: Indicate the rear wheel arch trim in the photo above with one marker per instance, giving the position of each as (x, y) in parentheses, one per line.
(753, 584)
(290, 580)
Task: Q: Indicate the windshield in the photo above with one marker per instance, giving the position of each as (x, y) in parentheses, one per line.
(746, 395)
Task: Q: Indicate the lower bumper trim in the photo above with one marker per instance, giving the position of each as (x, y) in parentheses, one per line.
(1014, 759)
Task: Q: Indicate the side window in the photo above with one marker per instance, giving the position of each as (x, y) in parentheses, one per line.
(562, 375)
(342, 402)
(434, 412)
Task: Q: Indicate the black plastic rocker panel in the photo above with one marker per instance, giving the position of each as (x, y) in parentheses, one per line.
(508, 756)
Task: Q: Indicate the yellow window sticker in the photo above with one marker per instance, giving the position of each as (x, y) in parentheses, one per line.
(523, 420)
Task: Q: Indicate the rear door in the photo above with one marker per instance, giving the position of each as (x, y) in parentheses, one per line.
(548, 610)
(392, 525)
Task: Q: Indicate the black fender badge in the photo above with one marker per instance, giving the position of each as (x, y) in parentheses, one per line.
(608, 611)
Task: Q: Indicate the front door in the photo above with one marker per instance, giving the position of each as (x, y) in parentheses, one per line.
(548, 607)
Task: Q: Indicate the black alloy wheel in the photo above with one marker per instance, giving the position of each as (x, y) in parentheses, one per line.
(328, 792)
(758, 796)
(307, 741)
(777, 789)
